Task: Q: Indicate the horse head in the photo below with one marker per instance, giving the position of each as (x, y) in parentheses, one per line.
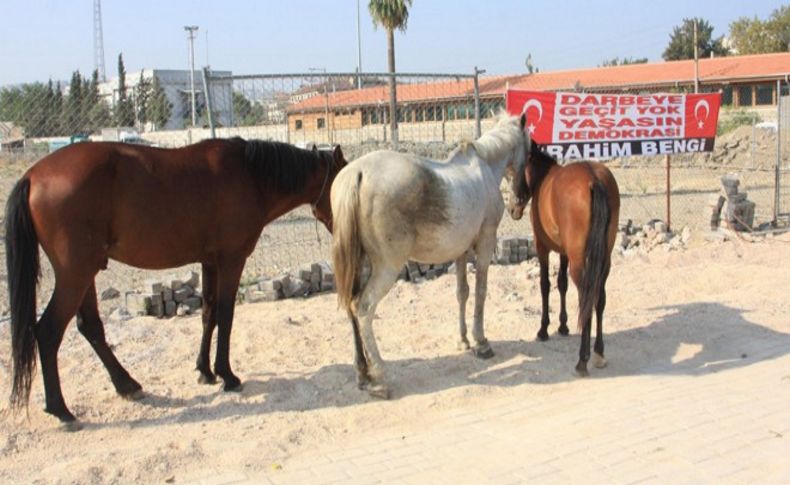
(520, 193)
(322, 208)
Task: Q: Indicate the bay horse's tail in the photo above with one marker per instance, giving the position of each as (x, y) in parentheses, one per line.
(347, 251)
(22, 264)
(596, 252)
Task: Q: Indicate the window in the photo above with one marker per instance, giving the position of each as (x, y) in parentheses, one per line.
(298, 124)
(764, 94)
(745, 96)
(726, 96)
(320, 123)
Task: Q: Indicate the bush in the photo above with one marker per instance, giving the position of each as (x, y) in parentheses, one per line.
(732, 119)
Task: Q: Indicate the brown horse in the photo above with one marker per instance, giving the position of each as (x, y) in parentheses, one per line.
(90, 202)
(574, 212)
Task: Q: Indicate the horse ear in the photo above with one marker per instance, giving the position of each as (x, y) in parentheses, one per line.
(523, 121)
(338, 155)
(315, 148)
(535, 148)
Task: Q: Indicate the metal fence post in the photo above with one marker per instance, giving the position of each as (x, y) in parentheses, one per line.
(208, 102)
(478, 130)
(778, 168)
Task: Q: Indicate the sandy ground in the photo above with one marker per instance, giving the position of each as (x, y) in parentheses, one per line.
(667, 312)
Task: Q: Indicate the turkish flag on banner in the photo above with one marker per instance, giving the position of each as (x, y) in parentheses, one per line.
(702, 115)
(539, 109)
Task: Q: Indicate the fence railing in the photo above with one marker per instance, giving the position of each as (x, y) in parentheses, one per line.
(434, 112)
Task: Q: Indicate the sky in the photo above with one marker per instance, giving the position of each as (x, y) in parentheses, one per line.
(49, 39)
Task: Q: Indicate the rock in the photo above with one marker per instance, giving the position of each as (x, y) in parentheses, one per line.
(182, 293)
(191, 278)
(182, 310)
(194, 303)
(120, 314)
(685, 235)
(716, 236)
(110, 294)
(176, 283)
(170, 309)
(296, 288)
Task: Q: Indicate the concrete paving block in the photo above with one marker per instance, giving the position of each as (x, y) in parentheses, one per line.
(170, 309)
(152, 287)
(167, 294)
(181, 294)
(191, 278)
(194, 303)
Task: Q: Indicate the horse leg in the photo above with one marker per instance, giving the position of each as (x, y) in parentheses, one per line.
(484, 250)
(562, 285)
(49, 334)
(209, 316)
(228, 285)
(599, 360)
(364, 306)
(360, 362)
(91, 327)
(462, 294)
(543, 260)
(576, 266)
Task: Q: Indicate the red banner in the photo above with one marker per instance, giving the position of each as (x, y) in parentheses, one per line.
(580, 125)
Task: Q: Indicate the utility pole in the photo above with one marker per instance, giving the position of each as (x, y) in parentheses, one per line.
(191, 33)
(696, 59)
(359, 52)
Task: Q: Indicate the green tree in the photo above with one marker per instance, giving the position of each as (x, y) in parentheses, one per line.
(754, 36)
(246, 113)
(391, 14)
(681, 41)
(124, 107)
(97, 111)
(143, 96)
(158, 109)
(71, 118)
(623, 62)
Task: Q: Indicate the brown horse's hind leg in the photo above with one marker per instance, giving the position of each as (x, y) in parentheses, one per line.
(562, 285)
(545, 285)
(599, 360)
(209, 322)
(228, 285)
(91, 327)
(49, 334)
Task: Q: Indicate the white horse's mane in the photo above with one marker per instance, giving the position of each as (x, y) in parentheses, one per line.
(497, 142)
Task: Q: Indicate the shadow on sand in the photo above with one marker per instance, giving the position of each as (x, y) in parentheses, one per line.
(690, 339)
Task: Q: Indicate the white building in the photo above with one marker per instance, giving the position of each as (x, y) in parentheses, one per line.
(176, 84)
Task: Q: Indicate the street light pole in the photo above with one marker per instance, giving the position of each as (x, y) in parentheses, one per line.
(359, 52)
(191, 33)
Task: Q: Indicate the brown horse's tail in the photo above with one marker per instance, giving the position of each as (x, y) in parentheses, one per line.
(347, 251)
(596, 253)
(22, 264)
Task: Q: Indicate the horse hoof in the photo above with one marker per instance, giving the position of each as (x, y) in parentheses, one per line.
(599, 361)
(463, 345)
(563, 330)
(231, 386)
(543, 335)
(134, 395)
(581, 370)
(207, 379)
(363, 382)
(483, 351)
(70, 426)
(379, 391)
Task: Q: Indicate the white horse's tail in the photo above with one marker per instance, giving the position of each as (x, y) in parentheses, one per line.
(347, 251)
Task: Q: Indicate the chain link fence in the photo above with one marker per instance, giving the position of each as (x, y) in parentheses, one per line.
(434, 113)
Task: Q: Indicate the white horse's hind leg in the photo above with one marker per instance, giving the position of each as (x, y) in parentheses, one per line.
(484, 250)
(462, 293)
(379, 284)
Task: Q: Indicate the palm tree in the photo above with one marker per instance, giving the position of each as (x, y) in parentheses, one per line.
(391, 14)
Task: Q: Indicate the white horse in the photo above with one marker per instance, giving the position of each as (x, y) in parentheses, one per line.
(390, 207)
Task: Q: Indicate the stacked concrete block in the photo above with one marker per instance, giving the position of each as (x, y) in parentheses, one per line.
(643, 239)
(513, 250)
(739, 213)
(179, 296)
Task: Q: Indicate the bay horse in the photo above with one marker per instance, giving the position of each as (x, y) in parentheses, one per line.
(574, 212)
(90, 202)
(390, 207)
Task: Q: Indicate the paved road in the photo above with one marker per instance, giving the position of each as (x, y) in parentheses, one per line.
(727, 422)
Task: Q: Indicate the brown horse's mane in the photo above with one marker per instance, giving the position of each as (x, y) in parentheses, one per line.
(538, 164)
(280, 165)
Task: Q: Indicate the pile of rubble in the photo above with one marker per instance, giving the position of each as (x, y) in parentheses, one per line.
(316, 278)
(632, 239)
